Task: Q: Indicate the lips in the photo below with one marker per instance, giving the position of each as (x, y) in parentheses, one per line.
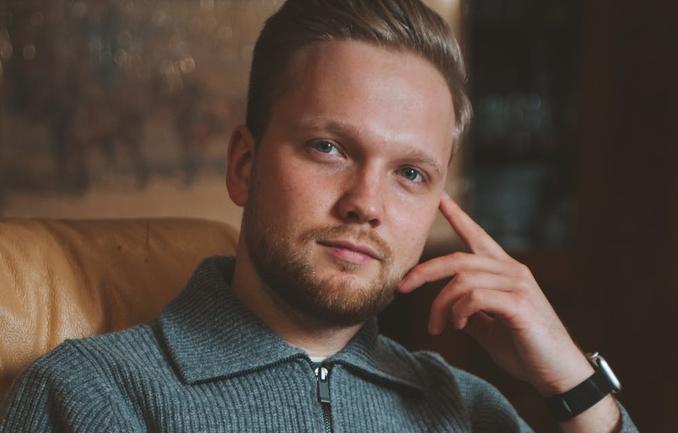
(359, 248)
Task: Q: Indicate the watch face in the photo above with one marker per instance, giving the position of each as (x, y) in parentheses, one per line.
(605, 368)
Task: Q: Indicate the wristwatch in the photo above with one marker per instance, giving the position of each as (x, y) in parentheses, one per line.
(586, 394)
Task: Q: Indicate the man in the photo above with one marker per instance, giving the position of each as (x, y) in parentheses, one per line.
(353, 113)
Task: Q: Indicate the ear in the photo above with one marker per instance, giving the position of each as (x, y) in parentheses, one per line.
(239, 164)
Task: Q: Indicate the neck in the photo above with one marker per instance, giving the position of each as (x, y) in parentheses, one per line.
(315, 337)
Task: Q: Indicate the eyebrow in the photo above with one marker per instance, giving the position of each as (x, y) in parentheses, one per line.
(350, 132)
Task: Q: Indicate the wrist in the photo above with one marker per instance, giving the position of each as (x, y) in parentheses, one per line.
(603, 417)
(587, 394)
(571, 372)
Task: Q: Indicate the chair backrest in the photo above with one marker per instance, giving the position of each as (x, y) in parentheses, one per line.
(76, 278)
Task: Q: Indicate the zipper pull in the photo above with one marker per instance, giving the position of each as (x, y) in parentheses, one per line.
(323, 373)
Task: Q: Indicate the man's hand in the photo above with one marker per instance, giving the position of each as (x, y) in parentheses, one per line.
(497, 300)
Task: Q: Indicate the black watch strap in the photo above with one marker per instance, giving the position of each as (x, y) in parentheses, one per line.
(580, 398)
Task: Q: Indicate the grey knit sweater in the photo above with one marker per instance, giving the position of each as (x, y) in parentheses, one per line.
(208, 365)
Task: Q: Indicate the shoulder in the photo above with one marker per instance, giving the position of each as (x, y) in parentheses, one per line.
(91, 360)
(64, 366)
(79, 382)
(135, 346)
(54, 388)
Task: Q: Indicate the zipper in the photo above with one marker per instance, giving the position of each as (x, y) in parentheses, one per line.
(322, 375)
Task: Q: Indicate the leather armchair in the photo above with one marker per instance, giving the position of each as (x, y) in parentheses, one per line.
(79, 278)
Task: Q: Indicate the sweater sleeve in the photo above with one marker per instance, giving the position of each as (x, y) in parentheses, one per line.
(487, 404)
(58, 393)
(487, 408)
(627, 425)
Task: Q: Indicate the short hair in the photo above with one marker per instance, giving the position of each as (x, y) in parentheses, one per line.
(406, 25)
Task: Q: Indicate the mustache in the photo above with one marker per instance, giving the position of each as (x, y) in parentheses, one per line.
(345, 232)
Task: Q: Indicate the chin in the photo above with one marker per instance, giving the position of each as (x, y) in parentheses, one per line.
(348, 273)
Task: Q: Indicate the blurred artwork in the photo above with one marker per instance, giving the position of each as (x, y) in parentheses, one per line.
(123, 108)
(114, 93)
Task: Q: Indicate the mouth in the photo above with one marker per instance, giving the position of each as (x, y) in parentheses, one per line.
(351, 252)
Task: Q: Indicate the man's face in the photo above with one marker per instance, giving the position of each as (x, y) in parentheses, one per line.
(347, 178)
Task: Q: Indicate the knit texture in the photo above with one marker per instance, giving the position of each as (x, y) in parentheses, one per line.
(209, 365)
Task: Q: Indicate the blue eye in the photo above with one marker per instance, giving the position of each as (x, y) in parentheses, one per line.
(411, 174)
(324, 146)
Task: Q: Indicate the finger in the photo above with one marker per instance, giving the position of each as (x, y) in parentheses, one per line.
(449, 265)
(500, 305)
(468, 230)
(458, 288)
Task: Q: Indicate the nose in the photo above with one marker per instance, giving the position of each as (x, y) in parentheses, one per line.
(362, 201)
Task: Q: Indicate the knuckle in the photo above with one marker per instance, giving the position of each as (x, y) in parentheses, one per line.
(415, 274)
(475, 297)
(523, 286)
(462, 279)
(412, 274)
(523, 271)
(520, 284)
(457, 256)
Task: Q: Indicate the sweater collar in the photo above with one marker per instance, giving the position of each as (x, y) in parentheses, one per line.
(209, 334)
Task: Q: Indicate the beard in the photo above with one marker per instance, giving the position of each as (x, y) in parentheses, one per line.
(344, 298)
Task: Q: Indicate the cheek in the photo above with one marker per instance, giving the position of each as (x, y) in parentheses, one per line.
(295, 193)
(412, 229)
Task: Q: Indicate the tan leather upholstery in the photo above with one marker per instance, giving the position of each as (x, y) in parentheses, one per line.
(78, 278)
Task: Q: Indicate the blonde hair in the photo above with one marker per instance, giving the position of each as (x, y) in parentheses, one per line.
(407, 25)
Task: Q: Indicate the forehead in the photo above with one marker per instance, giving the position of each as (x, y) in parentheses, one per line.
(388, 97)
